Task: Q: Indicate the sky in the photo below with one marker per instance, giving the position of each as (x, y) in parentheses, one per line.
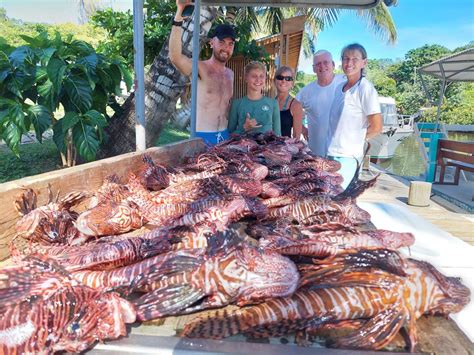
(418, 22)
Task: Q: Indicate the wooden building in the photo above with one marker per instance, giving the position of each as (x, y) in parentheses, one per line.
(284, 49)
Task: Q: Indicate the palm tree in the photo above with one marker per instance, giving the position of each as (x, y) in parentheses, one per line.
(318, 19)
(87, 8)
(164, 84)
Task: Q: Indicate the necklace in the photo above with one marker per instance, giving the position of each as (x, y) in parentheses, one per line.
(285, 102)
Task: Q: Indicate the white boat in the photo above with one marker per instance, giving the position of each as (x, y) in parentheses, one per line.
(396, 128)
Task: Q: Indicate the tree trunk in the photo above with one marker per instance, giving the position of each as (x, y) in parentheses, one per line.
(163, 86)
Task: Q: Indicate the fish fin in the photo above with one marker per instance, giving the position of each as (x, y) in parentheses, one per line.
(28, 280)
(166, 301)
(409, 333)
(345, 325)
(25, 202)
(376, 333)
(175, 264)
(217, 324)
(372, 278)
(356, 187)
(369, 258)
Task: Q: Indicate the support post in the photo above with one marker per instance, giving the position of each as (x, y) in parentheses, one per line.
(433, 150)
(139, 66)
(419, 193)
(441, 95)
(194, 74)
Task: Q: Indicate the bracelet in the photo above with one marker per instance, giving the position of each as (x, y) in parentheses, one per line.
(177, 23)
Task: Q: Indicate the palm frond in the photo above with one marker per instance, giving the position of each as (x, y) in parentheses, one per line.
(380, 21)
(272, 19)
(324, 17)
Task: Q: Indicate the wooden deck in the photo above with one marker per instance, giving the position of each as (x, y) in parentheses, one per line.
(446, 216)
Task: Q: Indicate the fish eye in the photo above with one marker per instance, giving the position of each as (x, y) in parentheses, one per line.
(74, 327)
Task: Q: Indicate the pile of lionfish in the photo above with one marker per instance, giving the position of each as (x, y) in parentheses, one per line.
(255, 222)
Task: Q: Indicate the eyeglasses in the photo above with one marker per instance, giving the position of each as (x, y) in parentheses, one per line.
(325, 62)
(286, 78)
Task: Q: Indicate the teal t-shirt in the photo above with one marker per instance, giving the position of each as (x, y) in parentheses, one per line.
(265, 111)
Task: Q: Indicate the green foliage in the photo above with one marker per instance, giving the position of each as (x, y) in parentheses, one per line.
(51, 73)
(171, 134)
(302, 79)
(13, 30)
(454, 112)
(119, 28)
(397, 79)
(157, 26)
(416, 58)
(410, 98)
(376, 73)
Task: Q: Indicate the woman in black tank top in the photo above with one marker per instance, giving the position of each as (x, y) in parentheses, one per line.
(291, 112)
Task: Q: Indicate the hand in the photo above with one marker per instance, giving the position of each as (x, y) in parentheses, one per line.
(305, 133)
(250, 123)
(180, 5)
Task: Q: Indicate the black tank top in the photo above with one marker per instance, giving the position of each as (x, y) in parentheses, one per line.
(286, 119)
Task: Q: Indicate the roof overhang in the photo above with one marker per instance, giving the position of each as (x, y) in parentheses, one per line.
(456, 67)
(345, 4)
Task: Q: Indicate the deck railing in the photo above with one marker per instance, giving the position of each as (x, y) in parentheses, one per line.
(427, 140)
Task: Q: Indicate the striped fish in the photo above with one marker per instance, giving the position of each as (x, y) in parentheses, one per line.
(240, 274)
(376, 313)
(44, 310)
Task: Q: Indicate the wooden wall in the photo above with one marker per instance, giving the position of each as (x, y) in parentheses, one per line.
(285, 46)
(237, 64)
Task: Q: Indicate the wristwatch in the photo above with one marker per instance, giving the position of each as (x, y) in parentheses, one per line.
(177, 23)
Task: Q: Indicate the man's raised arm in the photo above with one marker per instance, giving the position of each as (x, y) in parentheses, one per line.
(179, 60)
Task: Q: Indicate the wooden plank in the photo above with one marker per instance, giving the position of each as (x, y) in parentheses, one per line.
(467, 147)
(86, 177)
(294, 24)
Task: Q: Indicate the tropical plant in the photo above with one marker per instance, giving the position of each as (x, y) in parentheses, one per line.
(267, 20)
(376, 73)
(119, 27)
(59, 76)
(164, 84)
(12, 30)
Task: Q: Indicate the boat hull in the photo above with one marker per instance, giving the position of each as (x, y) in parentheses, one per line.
(384, 145)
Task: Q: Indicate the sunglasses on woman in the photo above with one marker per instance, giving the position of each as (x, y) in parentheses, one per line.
(286, 78)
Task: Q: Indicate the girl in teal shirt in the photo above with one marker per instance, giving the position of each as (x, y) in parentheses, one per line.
(254, 112)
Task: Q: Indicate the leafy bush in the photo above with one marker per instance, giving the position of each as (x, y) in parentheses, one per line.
(119, 27)
(47, 74)
(13, 30)
(451, 115)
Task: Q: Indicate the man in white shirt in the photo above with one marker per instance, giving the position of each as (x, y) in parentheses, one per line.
(316, 99)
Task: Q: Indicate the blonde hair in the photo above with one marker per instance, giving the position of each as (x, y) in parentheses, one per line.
(283, 69)
(255, 65)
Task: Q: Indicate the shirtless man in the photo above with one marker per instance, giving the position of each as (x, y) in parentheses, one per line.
(215, 81)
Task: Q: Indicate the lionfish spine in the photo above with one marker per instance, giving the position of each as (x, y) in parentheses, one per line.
(121, 276)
